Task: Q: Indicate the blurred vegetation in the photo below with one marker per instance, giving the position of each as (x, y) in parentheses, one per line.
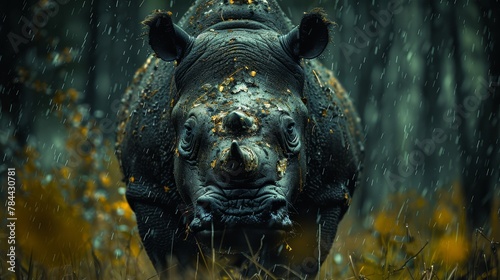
(59, 98)
(72, 218)
(413, 237)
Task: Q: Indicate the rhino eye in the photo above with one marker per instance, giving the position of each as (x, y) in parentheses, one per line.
(290, 135)
(187, 140)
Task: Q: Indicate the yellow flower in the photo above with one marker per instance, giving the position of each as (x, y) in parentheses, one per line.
(77, 118)
(59, 97)
(73, 94)
(40, 86)
(50, 229)
(443, 216)
(105, 180)
(452, 250)
(65, 172)
(123, 209)
(387, 223)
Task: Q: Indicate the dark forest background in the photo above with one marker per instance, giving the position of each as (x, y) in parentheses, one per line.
(424, 76)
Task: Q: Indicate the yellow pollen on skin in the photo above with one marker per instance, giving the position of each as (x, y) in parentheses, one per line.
(281, 167)
(348, 199)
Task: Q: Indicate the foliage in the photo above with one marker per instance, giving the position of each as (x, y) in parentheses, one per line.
(414, 237)
(72, 218)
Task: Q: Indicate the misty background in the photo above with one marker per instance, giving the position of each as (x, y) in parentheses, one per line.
(423, 75)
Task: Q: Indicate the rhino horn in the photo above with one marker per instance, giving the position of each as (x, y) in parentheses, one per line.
(239, 161)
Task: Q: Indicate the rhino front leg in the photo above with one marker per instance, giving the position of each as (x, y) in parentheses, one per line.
(316, 227)
(159, 229)
(313, 241)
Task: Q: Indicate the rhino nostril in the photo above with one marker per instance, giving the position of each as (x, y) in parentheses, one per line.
(204, 205)
(277, 204)
(233, 167)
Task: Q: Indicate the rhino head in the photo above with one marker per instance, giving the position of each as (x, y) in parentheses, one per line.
(240, 121)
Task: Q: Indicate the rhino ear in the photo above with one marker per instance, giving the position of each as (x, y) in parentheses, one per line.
(310, 38)
(167, 40)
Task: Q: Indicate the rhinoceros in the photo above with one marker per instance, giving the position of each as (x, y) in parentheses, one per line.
(238, 149)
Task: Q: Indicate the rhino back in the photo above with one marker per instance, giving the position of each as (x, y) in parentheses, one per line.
(205, 13)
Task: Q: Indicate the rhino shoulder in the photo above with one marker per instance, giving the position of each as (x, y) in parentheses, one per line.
(336, 141)
(329, 103)
(144, 132)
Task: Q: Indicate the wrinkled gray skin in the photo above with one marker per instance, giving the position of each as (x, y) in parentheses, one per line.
(241, 146)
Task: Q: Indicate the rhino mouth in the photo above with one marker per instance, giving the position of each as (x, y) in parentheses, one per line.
(241, 209)
(240, 224)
